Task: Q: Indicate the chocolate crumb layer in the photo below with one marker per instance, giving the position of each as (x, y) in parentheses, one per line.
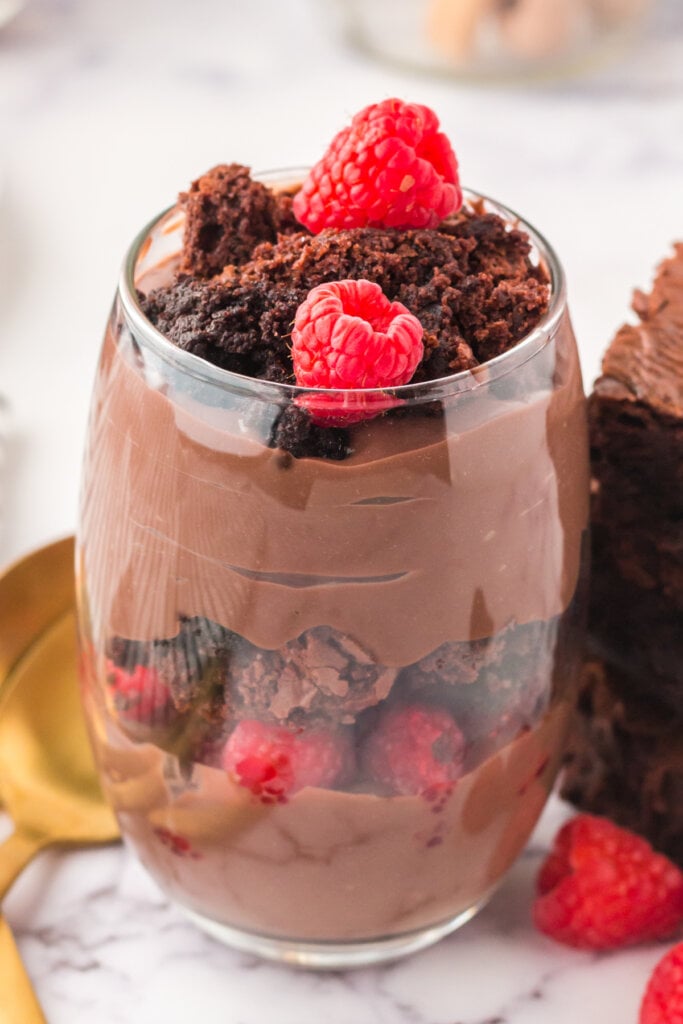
(321, 675)
(242, 320)
(191, 665)
(246, 267)
(324, 675)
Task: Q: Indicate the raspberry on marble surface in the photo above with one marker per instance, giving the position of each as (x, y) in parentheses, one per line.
(603, 887)
(663, 999)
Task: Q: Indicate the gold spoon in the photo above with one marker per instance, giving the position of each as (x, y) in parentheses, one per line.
(34, 592)
(48, 781)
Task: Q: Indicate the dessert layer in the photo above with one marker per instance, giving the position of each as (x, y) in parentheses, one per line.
(471, 283)
(317, 866)
(204, 681)
(435, 529)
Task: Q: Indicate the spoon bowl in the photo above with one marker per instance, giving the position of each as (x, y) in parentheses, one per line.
(34, 592)
(48, 780)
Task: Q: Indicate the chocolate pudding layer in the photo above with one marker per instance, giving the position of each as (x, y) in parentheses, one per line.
(329, 865)
(436, 528)
(389, 602)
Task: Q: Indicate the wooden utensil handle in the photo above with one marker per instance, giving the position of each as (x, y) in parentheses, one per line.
(18, 1001)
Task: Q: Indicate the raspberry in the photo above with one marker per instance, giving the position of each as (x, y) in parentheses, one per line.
(140, 695)
(347, 334)
(390, 168)
(415, 750)
(663, 999)
(177, 844)
(602, 887)
(274, 762)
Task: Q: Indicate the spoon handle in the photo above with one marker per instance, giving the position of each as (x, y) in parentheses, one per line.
(15, 853)
(18, 1002)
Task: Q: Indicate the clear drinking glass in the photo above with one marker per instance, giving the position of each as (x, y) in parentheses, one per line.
(405, 620)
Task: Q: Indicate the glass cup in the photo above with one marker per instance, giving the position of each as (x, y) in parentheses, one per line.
(328, 698)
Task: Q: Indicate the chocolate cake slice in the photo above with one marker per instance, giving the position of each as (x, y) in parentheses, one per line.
(627, 755)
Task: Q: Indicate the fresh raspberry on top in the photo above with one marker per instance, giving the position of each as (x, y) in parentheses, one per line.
(390, 168)
(347, 334)
(139, 696)
(274, 762)
(663, 999)
(603, 887)
(414, 750)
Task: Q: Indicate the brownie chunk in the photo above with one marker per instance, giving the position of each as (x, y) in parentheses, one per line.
(247, 265)
(319, 676)
(471, 285)
(227, 215)
(495, 687)
(636, 426)
(629, 722)
(220, 677)
(625, 760)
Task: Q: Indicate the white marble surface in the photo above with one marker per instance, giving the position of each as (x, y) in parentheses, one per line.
(105, 110)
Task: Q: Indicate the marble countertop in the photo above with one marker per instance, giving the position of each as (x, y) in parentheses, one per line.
(105, 110)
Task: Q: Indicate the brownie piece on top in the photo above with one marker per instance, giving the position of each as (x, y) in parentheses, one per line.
(247, 265)
(627, 755)
(227, 214)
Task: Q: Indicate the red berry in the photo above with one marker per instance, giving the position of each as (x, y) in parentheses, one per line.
(274, 762)
(140, 695)
(415, 750)
(602, 887)
(179, 845)
(391, 168)
(347, 334)
(663, 999)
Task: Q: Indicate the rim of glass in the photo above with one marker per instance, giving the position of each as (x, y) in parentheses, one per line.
(465, 380)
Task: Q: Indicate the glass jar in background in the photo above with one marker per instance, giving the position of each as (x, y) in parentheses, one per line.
(492, 38)
(9, 9)
(328, 698)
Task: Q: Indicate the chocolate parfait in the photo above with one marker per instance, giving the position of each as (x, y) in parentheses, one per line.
(331, 546)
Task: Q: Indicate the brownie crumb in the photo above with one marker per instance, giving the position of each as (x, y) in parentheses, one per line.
(242, 319)
(296, 433)
(247, 265)
(227, 215)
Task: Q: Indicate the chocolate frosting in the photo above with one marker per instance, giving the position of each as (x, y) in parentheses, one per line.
(644, 363)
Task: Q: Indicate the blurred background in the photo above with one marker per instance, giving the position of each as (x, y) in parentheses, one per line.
(570, 111)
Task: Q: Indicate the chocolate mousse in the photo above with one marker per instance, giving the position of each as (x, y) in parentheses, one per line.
(627, 755)
(320, 643)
